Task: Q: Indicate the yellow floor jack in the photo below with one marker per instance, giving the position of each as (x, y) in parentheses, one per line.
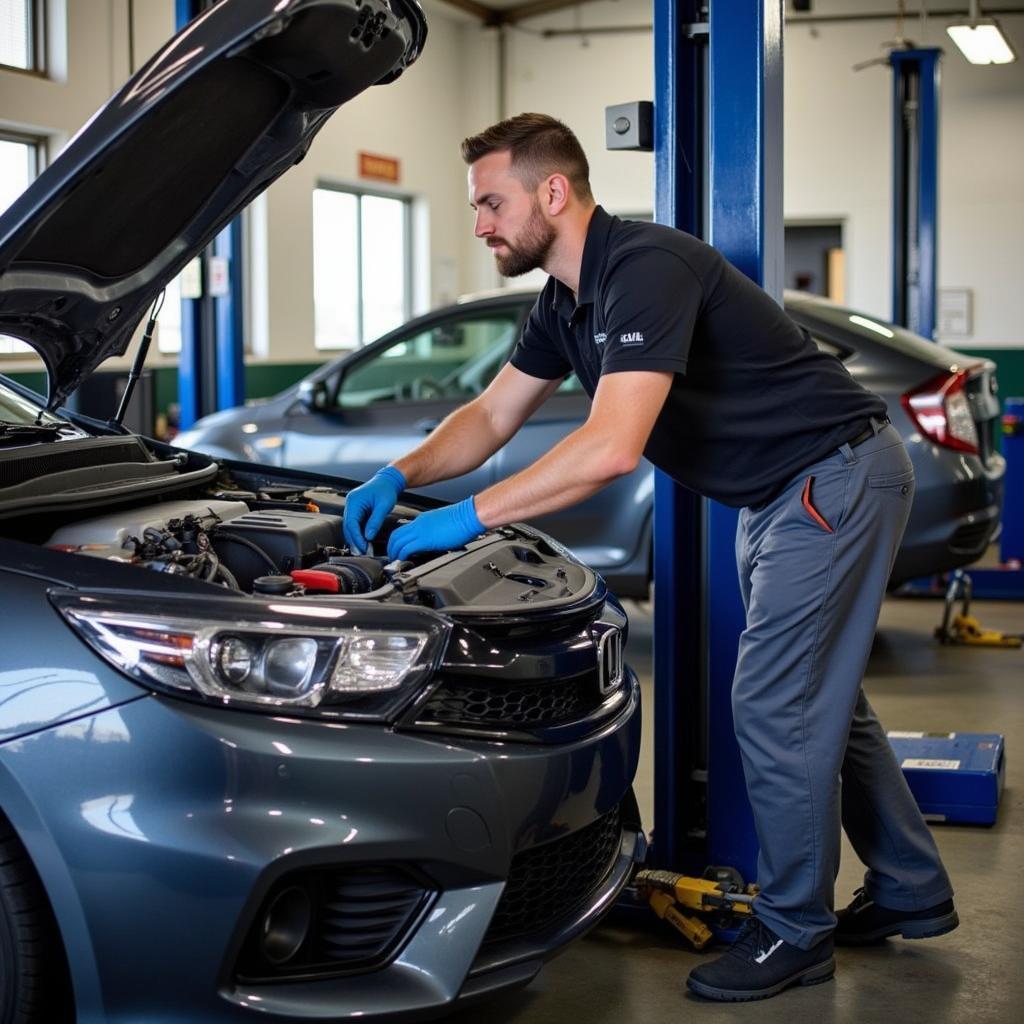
(964, 629)
(720, 894)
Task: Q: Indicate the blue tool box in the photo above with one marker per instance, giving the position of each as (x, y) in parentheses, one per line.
(955, 776)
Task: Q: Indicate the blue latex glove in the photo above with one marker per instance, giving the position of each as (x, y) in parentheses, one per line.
(443, 529)
(368, 505)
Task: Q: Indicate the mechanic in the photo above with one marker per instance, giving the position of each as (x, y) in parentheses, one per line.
(689, 363)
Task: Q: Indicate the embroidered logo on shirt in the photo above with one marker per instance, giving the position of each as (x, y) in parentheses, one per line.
(600, 339)
(633, 338)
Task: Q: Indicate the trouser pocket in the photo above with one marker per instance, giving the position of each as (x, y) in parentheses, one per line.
(807, 500)
(899, 483)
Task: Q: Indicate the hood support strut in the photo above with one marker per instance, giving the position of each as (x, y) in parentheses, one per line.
(139, 362)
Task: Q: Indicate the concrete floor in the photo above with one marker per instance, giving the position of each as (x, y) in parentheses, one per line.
(972, 975)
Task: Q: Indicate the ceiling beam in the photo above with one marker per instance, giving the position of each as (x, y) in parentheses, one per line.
(537, 7)
(486, 14)
(493, 17)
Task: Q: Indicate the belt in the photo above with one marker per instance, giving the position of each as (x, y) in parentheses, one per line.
(874, 427)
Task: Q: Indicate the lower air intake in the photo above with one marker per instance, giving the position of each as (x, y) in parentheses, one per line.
(327, 922)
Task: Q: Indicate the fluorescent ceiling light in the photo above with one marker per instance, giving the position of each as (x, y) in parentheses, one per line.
(981, 41)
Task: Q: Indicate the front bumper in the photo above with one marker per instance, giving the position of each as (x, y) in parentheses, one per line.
(158, 828)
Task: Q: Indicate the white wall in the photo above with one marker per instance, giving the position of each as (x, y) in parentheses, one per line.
(837, 142)
(574, 79)
(838, 160)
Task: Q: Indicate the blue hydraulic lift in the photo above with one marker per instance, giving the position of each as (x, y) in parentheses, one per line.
(718, 174)
(915, 166)
(915, 198)
(211, 368)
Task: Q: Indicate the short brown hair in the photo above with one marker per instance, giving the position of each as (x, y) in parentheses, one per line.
(539, 146)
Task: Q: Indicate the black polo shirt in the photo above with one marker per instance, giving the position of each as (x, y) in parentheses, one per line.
(753, 400)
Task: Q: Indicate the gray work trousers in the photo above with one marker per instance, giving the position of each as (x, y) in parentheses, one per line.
(813, 567)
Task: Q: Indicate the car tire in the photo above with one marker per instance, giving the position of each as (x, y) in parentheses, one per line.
(34, 984)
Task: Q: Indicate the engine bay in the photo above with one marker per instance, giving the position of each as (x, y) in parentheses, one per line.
(252, 531)
(254, 543)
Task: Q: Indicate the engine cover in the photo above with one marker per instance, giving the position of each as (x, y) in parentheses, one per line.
(290, 540)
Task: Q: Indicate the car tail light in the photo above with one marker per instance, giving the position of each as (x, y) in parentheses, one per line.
(942, 412)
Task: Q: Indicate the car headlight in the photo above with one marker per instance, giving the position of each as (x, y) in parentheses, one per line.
(367, 663)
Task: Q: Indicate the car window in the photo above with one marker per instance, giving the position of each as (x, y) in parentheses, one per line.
(455, 359)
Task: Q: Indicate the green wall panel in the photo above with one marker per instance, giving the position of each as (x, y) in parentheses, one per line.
(1011, 368)
(264, 379)
(36, 380)
(261, 380)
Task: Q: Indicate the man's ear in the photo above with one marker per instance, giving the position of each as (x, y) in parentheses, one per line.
(555, 194)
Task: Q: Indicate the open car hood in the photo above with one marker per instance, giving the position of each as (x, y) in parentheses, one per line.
(224, 108)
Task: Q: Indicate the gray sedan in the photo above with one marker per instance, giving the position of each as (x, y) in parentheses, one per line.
(358, 412)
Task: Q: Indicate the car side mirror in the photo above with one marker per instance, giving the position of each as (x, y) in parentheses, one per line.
(313, 395)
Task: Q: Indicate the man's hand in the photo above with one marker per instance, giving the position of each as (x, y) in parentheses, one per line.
(443, 529)
(367, 507)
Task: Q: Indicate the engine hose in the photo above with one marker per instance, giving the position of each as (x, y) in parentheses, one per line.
(245, 542)
(228, 576)
(213, 565)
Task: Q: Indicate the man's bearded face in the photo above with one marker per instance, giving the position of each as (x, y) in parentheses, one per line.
(528, 250)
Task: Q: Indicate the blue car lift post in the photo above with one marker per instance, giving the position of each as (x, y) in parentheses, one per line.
(718, 174)
(211, 366)
(915, 147)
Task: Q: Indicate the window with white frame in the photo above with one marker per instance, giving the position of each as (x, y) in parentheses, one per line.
(361, 261)
(21, 35)
(19, 164)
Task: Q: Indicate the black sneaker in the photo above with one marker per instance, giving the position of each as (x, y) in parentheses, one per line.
(759, 964)
(865, 922)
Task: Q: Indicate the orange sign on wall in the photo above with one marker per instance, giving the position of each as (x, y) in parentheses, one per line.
(379, 168)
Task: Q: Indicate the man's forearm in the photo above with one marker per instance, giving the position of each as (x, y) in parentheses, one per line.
(463, 441)
(577, 467)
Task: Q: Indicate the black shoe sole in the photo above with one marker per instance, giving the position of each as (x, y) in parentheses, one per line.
(926, 928)
(809, 976)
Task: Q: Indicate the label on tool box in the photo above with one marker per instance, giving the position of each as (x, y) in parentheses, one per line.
(924, 762)
(921, 735)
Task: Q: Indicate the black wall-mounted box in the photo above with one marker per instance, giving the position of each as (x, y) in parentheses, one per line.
(630, 126)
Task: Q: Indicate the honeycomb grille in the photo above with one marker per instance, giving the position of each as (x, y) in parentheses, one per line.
(512, 706)
(547, 882)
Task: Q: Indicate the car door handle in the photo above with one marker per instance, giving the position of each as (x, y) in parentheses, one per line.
(428, 424)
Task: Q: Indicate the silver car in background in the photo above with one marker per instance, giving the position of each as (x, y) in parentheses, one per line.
(358, 412)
